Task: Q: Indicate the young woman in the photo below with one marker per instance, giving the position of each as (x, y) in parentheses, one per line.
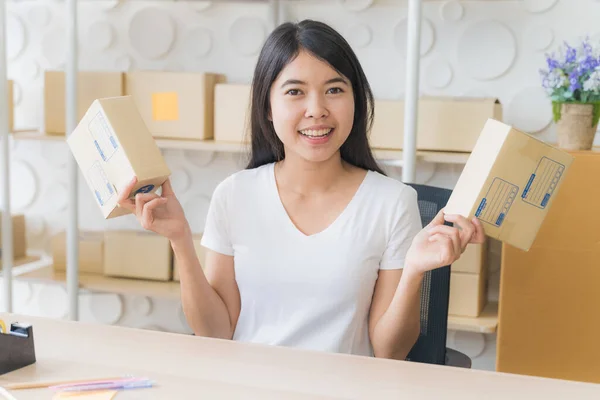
(311, 246)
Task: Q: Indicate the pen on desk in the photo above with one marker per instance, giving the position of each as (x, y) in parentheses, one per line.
(4, 393)
(46, 384)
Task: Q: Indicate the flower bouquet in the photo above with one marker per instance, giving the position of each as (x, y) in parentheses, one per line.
(572, 80)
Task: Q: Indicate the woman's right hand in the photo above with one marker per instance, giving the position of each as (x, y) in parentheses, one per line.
(160, 214)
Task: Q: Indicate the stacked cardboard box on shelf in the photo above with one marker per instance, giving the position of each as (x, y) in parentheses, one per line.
(175, 105)
(137, 254)
(91, 85)
(444, 123)
(232, 113)
(18, 236)
(91, 252)
(468, 282)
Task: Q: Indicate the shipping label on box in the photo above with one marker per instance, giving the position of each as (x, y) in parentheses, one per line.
(508, 183)
(111, 145)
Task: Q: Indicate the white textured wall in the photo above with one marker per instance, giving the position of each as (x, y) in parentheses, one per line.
(470, 48)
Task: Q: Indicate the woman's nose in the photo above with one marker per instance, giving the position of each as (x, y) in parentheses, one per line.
(316, 108)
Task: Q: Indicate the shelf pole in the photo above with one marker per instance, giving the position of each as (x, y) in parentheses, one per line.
(7, 239)
(409, 153)
(71, 122)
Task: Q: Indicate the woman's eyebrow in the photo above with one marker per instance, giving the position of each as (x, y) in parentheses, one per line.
(299, 82)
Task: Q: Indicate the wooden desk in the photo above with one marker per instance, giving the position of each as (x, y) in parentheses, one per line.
(189, 367)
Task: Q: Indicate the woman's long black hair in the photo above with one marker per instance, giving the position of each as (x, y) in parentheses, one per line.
(281, 47)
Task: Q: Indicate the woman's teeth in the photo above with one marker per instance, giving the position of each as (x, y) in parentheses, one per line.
(316, 133)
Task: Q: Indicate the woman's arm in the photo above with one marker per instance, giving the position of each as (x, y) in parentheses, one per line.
(210, 298)
(394, 320)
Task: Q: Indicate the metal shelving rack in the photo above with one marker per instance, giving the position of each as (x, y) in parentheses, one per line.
(409, 154)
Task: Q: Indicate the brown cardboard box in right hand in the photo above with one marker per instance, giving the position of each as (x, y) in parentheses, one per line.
(509, 183)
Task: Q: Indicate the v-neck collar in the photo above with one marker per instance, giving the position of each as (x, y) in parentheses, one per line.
(286, 217)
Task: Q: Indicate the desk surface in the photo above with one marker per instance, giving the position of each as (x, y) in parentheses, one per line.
(186, 367)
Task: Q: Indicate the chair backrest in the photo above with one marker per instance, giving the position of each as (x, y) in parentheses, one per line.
(431, 345)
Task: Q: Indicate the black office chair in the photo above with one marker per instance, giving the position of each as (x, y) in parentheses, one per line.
(431, 345)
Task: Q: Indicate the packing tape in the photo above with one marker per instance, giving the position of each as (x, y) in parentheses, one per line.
(2, 327)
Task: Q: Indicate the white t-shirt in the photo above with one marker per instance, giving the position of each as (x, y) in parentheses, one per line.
(311, 292)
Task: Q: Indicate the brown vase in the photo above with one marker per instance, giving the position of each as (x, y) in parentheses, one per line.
(575, 130)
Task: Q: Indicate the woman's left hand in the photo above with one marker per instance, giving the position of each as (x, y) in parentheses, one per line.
(438, 245)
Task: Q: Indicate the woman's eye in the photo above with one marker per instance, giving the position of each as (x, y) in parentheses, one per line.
(293, 92)
(335, 90)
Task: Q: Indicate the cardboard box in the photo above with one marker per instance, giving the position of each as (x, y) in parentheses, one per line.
(548, 313)
(473, 260)
(175, 105)
(232, 113)
(18, 234)
(137, 254)
(468, 293)
(91, 252)
(111, 144)
(91, 85)
(200, 251)
(509, 183)
(444, 123)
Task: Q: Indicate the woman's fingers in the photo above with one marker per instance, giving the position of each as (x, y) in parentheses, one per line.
(452, 233)
(141, 199)
(123, 200)
(479, 235)
(466, 228)
(147, 215)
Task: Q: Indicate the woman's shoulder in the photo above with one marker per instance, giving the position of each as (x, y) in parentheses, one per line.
(390, 189)
(245, 179)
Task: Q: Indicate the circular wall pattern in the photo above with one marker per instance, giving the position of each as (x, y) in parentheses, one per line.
(470, 343)
(539, 38)
(479, 59)
(53, 301)
(196, 209)
(23, 293)
(24, 185)
(108, 5)
(100, 35)
(142, 305)
(530, 110)
(452, 11)
(438, 74)
(538, 6)
(200, 159)
(124, 63)
(15, 30)
(152, 32)
(39, 16)
(56, 197)
(106, 308)
(247, 35)
(356, 5)
(182, 319)
(198, 43)
(31, 69)
(54, 48)
(58, 156)
(401, 36)
(180, 180)
(359, 36)
(200, 5)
